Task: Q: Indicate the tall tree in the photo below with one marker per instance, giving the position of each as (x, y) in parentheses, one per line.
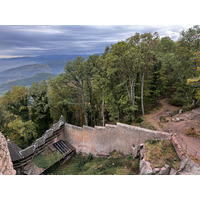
(75, 77)
(40, 109)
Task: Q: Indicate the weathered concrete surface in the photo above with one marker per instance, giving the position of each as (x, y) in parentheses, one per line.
(6, 166)
(100, 141)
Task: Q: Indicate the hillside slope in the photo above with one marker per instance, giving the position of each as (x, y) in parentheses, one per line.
(25, 82)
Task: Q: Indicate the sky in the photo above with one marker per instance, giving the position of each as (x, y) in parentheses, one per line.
(33, 40)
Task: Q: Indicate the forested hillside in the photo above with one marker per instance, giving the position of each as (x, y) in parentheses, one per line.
(122, 84)
(27, 82)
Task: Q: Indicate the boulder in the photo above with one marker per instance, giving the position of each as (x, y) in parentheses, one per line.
(145, 168)
(165, 170)
(173, 172)
(136, 150)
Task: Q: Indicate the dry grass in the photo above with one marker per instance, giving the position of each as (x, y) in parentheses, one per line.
(191, 132)
(159, 153)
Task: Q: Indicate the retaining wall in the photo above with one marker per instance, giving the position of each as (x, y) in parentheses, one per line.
(100, 141)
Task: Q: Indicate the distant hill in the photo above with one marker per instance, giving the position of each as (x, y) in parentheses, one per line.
(52, 60)
(23, 72)
(27, 82)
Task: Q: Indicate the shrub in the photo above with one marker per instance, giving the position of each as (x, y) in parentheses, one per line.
(139, 120)
(154, 141)
(163, 119)
(90, 157)
(177, 102)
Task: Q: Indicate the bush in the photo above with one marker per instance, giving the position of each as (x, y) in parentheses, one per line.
(154, 141)
(177, 102)
(90, 157)
(163, 119)
(139, 120)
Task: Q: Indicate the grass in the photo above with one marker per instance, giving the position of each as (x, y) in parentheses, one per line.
(146, 124)
(46, 160)
(115, 164)
(160, 153)
(191, 132)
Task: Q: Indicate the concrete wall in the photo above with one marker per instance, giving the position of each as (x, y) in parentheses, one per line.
(100, 141)
(6, 166)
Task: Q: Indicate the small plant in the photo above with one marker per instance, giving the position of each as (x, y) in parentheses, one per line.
(90, 157)
(154, 141)
(191, 132)
(139, 120)
(163, 119)
(129, 157)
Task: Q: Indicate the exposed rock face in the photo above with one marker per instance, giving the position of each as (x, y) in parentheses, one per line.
(187, 165)
(6, 166)
(145, 166)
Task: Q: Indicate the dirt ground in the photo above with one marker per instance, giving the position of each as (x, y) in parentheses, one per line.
(178, 123)
(153, 118)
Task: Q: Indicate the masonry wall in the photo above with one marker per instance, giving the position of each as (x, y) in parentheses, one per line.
(6, 166)
(100, 141)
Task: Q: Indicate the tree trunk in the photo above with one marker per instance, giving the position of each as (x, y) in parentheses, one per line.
(142, 91)
(84, 111)
(102, 112)
(91, 108)
(134, 93)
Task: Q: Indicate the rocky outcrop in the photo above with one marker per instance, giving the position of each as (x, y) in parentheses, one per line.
(6, 166)
(145, 166)
(187, 165)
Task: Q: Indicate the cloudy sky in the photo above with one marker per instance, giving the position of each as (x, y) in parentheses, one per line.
(23, 40)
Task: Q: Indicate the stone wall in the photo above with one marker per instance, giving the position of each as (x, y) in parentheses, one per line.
(187, 165)
(100, 141)
(6, 166)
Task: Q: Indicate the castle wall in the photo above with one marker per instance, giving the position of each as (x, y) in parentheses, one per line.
(6, 166)
(100, 141)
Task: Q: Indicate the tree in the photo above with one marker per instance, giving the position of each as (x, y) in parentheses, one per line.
(75, 77)
(90, 68)
(22, 133)
(16, 101)
(147, 46)
(40, 109)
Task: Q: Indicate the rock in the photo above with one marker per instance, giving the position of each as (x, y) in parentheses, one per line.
(156, 171)
(145, 168)
(173, 171)
(188, 166)
(177, 119)
(180, 111)
(165, 170)
(136, 150)
(6, 165)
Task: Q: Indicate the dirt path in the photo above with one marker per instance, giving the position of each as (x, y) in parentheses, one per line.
(153, 118)
(190, 144)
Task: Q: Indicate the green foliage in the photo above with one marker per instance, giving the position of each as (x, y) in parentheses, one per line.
(154, 141)
(40, 161)
(40, 109)
(139, 120)
(89, 157)
(116, 163)
(45, 160)
(127, 80)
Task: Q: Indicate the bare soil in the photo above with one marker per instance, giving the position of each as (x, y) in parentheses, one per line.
(179, 124)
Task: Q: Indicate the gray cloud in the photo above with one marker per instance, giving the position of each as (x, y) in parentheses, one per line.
(66, 39)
